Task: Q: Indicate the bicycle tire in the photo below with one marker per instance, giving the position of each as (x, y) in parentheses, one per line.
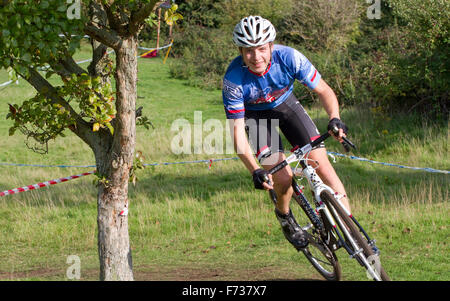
(330, 201)
(321, 257)
(336, 273)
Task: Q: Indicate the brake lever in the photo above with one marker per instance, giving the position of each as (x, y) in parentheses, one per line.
(345, 143)
(348, 144)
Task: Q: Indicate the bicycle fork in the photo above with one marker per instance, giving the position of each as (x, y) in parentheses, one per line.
(306, 206)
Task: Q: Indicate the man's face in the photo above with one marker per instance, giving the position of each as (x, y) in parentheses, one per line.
(257, 58)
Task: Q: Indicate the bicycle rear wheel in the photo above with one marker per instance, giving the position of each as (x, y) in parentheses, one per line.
(317, 252)
(322, 258)
(368, 252)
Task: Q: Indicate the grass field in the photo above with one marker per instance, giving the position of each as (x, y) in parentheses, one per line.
(191, 222)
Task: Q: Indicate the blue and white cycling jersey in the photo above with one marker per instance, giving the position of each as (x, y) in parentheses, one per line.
(243, 90)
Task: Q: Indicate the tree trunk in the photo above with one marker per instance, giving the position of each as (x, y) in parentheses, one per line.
(115, 164)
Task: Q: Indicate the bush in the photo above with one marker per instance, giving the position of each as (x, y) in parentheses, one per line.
(204, 56)
(322, 24)
(410, 69)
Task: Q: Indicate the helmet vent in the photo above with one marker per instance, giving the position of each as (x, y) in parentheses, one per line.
(253, 31)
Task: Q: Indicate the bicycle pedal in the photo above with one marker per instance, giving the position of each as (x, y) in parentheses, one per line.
(301, 249)
(335, 247)
(307, 227)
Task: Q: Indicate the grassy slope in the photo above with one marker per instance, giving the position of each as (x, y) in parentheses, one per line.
(188, 221)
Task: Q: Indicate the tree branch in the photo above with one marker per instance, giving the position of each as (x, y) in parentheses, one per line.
(103, 35)
(98, 15)
(98, 54)
(138, 17)
(81, 128)
(114, 20)
(66, 67)
(72, 66)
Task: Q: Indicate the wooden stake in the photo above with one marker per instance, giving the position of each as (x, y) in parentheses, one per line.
(159, 26)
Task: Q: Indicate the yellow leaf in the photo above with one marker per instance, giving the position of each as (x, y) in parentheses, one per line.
(96, 127)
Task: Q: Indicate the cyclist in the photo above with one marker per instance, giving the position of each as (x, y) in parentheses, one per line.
(257, 95)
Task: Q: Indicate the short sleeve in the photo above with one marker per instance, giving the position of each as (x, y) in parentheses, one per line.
(233, 100)
(304, 71)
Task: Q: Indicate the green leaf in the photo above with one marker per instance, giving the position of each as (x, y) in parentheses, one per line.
(26, 57)
(110, 127)
(11, 131)
(96, 127)
(44, 4)
(62, 8)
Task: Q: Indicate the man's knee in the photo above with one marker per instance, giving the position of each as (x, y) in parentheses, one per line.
(283, 180)
(320, 160)
(273, 159)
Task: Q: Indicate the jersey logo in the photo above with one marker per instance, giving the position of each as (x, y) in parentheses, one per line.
(231, 90)
(269, 96)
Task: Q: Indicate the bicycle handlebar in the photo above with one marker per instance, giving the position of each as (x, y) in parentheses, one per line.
(346, 143)
(298, 152)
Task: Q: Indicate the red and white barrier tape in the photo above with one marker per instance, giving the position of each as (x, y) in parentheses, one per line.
(44, 184)
(124, 212)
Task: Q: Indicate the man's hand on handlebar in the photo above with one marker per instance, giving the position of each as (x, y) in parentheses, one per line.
(337, 128)
(262, 179)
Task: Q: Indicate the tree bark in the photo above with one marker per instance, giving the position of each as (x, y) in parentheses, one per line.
(113, 239)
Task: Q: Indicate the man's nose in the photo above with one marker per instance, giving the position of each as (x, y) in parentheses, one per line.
(256, 56)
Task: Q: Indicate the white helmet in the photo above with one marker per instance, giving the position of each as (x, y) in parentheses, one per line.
(253, 31)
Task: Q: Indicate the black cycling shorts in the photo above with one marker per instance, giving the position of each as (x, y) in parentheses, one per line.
(290, 117)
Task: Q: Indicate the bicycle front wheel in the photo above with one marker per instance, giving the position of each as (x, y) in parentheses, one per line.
(374, 269)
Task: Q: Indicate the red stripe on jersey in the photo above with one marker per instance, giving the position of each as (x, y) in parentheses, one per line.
(314, 76)
(235, 111)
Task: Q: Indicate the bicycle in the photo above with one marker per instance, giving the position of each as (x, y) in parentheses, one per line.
(331, 226)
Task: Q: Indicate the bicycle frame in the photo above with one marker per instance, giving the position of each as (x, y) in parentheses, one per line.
(317, 186)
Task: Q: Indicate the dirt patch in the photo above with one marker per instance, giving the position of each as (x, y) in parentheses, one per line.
(40, 273)
(158, 273)
(202, 274)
